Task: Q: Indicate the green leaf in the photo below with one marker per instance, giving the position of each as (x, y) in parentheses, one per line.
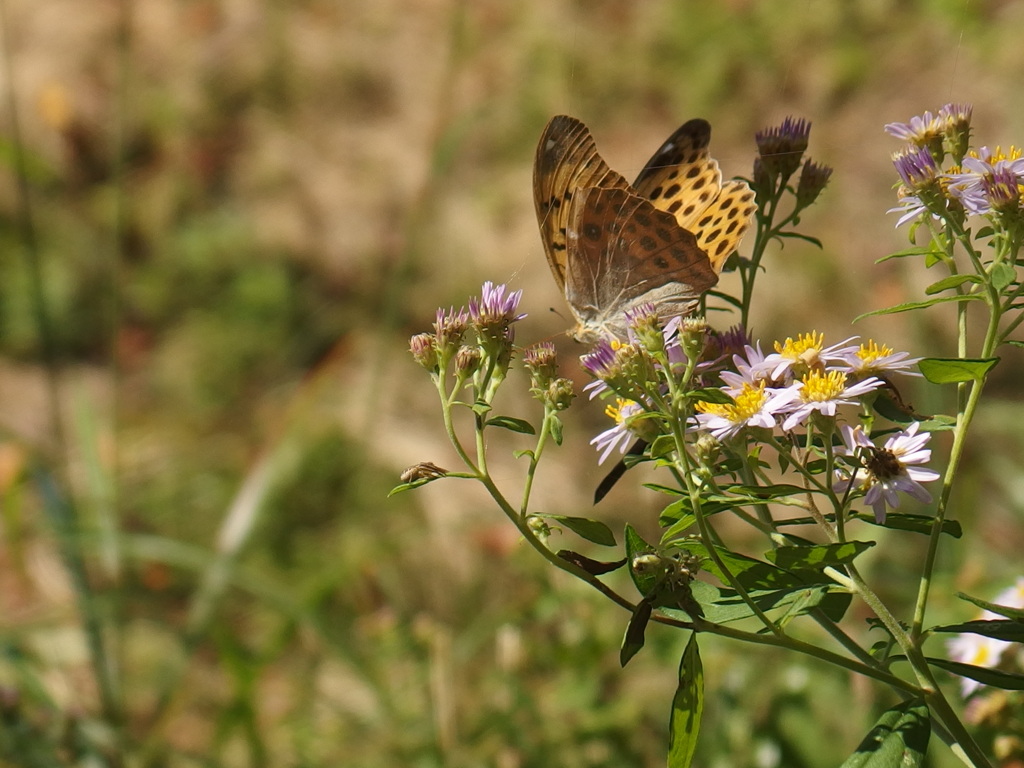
(752, 574)
(898, 740)
(663, 445)
(1001, 629)
(480, 408)
(667, 490)
(952, 370)
(916, 251)
(687, 708)
(675, 529)
(588, 564)
(633, 640)
(1014, 343)
(912, 523)
(798, 236)
(591, 530)
(556, 430)
(1002, 274)
(1008, 681)
(952, 281)
(805, 602)
(525, 452)
(818, 556)
(912, 305)
(766, 492)
(729, 605)
(1017, 614)
(513, 424)
(712, 395)
(636, 546)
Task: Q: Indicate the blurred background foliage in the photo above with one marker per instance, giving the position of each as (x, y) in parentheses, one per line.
(238, 211)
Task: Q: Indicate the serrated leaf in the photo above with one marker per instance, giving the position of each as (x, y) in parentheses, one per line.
(818, 556)
(912, 523)
(912, 305)
(954, 370)
(1017, 614)
(556, 429)
(1008, 681)
(712, 395)
(633, 640)
(953, 281)
(591, 530)
(898, 740)
(1002, 275)
(1000, 629)
(512, 424)
(687, 708)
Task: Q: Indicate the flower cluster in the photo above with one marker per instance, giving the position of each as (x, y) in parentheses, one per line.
(780, 152)
(802, 384)
(975, 182)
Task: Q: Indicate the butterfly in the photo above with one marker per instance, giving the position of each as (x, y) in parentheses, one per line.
(613, 246)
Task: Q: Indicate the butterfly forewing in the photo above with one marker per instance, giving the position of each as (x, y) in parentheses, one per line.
(625, 252)
(567, 161)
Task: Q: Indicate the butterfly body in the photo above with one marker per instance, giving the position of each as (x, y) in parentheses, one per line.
(613, 246)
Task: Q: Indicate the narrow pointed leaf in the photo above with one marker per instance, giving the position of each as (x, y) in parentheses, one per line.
(1006, 680)
(952, 281)
(513, 424)
(591, 530)
(898, 740)
(1012, 631)
(953, 370)
(687, 708)
(1017, 614)
(634, 639)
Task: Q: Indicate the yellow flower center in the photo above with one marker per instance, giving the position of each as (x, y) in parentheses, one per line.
(748, 402)
(615, 411)
(997, 154)
(819, 387)
(805, 348)
(870, 353)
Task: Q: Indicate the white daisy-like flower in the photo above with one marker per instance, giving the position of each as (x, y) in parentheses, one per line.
(620, 436)
(886, 471)
(755, 406)
(808, 352)
(824, 392)
(870, 359)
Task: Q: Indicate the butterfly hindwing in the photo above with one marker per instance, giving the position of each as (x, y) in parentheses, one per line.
(683, 179)
(567, 161)
(622, 251)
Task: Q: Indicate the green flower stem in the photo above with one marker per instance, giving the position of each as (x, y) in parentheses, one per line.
(449, 426)
(542, 439)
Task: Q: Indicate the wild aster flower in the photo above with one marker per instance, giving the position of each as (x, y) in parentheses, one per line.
(449, 328)
(645, 326)
(910, 206)
(540, 361)
(494, 312)
(623, 368)
(885, 471)
(795, 358)
(422, 348)
(984, 651)
(823, 392)
(755, 406)
(871, 359)
(989, 181)
(813, 179)
(957, 130)
(781, 148)
(917, 168)
(621, 435)
(924, 132)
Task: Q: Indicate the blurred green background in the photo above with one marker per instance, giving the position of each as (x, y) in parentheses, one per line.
(239, 211)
